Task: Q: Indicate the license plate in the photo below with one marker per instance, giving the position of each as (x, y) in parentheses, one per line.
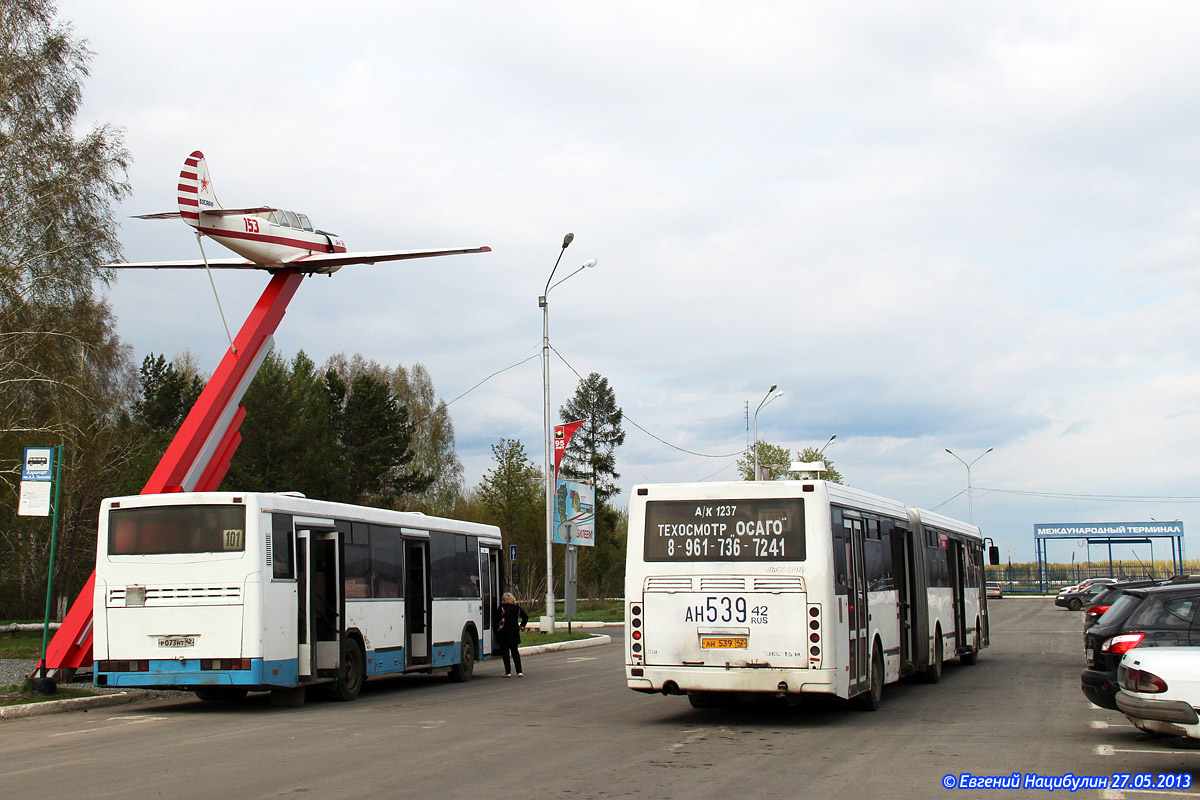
(724, 642)
(1087, 654)
(177, 641)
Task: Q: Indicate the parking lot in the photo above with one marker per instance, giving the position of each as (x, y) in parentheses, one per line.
(570, 728)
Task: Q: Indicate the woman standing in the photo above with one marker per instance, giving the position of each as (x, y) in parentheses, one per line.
(511, 621)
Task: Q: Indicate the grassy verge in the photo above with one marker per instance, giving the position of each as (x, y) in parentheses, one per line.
(534, 638)
(21, 644)
(20, 695)
(590, 611)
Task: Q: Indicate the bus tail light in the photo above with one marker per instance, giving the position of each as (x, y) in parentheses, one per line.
(814, 637)
(123, 666)
(635, 624)
(225, 663)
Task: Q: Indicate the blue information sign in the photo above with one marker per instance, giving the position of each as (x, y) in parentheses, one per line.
(37, 463)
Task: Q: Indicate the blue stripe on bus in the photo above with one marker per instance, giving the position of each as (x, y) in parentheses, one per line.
(166, 673)
(446, 655)
(385, 662)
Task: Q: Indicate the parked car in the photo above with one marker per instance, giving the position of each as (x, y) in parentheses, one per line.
(1156, 616)
(1084, 584)
(993, 590)
(1160, 689)
(1079, 596)
(1101, 602)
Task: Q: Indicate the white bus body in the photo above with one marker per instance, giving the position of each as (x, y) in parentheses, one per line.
(793, 588)
(225, 592)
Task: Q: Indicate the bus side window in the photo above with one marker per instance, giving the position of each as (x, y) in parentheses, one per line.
(283, 563)
(840, 582)
(357, 568)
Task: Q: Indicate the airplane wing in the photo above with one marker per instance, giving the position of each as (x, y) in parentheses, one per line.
(321, 262)
(216, 212)
(236, 212)
(317, 262)
(160, 215)
(215, 263)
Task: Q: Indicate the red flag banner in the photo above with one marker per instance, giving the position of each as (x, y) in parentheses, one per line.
(562, 435)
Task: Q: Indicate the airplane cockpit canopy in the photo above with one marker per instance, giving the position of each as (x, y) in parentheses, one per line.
(288, 219)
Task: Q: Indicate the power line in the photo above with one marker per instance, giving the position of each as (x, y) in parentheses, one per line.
(1107, 498)
(481, 383)
(631, 421)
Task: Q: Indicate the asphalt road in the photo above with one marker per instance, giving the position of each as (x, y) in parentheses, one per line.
(570, 729)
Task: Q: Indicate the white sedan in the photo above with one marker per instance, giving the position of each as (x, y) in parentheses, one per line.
(1160, 689)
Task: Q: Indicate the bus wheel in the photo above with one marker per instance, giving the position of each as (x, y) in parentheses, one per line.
(971, 656)
(352, 673)
(465, 668)
(870, 699)
(934, 673)
(702, 699)
(220, 694)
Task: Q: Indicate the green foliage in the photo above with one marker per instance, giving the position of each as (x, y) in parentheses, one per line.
(513, 493)
(341, 434)
(773, 458)
(590, 455)
(63, 371)
(778, 459)
(811, 454)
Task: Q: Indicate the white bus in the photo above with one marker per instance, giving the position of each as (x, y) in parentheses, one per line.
(222, 593)
(794, 587)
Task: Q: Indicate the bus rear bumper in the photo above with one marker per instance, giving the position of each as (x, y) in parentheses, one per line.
(681, 680)
(190, 674)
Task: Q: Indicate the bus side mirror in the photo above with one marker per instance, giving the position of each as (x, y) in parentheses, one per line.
(994, 556)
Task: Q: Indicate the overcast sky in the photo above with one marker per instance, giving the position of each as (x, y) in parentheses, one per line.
(934, 225)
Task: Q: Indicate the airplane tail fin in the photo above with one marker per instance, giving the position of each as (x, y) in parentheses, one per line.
(195, 190)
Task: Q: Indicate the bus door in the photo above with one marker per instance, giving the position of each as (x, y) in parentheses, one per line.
(860, 645)
(918, 574)
(906, 600)
(489, 568)
(958, 580)
(417, 605)
(319, 601)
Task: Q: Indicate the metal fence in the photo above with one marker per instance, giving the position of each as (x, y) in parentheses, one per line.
(1024, 579)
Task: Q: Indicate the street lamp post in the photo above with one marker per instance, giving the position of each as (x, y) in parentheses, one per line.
(547, 622)
(970, 498)
(766, 399)
(822, 450)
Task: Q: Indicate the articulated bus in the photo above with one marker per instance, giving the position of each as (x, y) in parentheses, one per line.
(791, 588)
(222, 593)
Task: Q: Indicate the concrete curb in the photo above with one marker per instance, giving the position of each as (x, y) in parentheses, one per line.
(595, 641)
(70, 704)
(561, 625)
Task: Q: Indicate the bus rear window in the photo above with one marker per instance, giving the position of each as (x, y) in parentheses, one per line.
(724, 530)
(176, 529)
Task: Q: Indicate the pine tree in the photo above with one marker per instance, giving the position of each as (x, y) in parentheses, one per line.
(590, 455)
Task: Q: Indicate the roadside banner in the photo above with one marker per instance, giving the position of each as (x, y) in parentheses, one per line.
(575, 514)
(562, 436)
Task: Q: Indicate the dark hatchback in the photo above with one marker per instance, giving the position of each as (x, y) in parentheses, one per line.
(1158, 616)
(1100, 603)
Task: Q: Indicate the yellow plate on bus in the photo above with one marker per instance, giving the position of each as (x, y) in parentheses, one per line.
(724, 642)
